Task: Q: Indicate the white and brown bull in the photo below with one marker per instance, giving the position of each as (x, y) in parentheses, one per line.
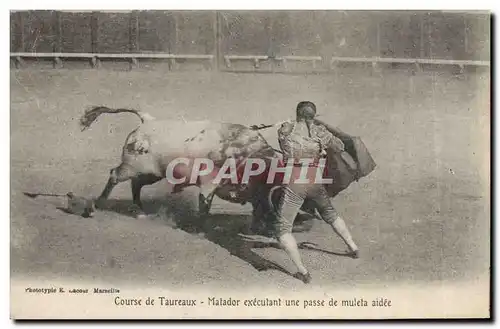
(150, 147)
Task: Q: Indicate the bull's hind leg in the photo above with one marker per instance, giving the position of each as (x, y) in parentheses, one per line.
(117, 175)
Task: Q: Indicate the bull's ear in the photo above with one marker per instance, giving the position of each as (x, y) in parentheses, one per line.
(286, 128)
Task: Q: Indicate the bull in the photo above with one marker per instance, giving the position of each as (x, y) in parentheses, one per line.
(149, 148)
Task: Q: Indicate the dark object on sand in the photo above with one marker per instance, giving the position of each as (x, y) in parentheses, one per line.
(75, 205)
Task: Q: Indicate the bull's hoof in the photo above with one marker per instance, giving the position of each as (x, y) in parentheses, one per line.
(353, 254)
(100, 203)
(137, 211)
(141, 216)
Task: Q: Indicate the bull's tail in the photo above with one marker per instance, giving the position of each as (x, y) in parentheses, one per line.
(94, 112)
(34, 195)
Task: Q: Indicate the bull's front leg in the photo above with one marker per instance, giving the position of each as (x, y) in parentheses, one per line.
(137, 183)
(207, 192)
(262, 215)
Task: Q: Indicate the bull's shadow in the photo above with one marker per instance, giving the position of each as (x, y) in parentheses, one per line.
(225, 229)
(222, 229)
(126, 207)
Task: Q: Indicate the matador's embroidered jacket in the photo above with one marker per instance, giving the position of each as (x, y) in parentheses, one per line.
(297, 142)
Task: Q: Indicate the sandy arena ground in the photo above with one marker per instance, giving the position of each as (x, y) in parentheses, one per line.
(421, 216)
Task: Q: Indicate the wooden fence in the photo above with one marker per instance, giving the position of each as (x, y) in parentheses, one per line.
(223, 39)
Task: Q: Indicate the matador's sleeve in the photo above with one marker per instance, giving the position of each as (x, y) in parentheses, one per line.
(327, 140)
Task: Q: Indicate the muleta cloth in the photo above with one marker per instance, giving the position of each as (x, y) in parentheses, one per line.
(349, 166)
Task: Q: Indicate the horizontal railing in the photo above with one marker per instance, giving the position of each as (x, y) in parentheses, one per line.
(96, 56)
(409, 61)
(256, 59)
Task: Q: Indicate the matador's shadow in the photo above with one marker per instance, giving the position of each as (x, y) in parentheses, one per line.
(221, 228)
